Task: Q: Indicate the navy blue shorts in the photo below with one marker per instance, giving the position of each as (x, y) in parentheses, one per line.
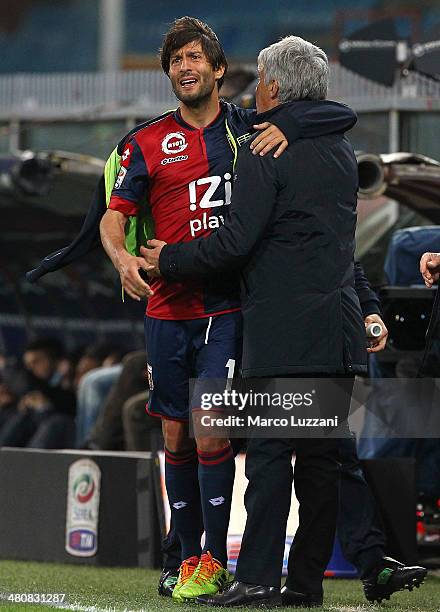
(180, 350)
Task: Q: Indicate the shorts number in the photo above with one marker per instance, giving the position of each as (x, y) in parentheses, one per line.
(230, 364)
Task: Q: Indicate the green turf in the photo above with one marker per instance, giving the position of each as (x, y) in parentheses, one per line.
(121, 590)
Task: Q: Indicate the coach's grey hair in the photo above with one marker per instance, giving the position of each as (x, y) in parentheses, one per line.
(300, 68)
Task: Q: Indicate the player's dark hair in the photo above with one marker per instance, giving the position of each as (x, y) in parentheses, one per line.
(189, 29)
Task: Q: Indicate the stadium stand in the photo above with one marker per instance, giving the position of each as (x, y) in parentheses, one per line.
(22, 48)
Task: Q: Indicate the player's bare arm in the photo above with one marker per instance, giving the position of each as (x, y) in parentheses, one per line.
(430, 268)
(112, 230)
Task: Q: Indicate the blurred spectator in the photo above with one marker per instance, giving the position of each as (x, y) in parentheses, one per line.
(123, 422)
(93, 389)
(96, 356)
(45, 410)
(8, 399)
(8, 403)
(96, 371)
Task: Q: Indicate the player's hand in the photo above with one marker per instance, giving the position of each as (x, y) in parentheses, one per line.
(131, 281)
(152, 255)
(376, 344)
(430, 268)
(270, 137)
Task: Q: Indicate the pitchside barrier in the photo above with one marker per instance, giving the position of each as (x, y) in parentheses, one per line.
(87, 507)
(110, 508)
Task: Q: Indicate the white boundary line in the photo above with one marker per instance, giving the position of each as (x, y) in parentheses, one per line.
(360, 608)
(73, 607)
(83, 608)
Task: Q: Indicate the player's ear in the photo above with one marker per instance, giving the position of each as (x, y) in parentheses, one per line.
(219, 73)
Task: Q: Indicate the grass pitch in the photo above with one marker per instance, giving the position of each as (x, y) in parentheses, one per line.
(93, 589)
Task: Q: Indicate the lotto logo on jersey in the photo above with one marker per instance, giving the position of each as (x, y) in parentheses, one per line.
(125, 157)
(206, 201)
(121, 176)
(173, 143)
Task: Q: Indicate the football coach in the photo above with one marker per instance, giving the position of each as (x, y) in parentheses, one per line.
(291, 232)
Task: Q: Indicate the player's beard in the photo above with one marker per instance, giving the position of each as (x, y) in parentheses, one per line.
(198, 98)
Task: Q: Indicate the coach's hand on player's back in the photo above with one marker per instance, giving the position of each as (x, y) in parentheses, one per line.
(269, 138)
(151, 256)
(131, 280)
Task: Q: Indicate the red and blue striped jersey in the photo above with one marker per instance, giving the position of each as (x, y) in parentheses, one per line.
(185, 175)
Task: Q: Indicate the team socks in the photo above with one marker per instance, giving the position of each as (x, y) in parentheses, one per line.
(216, 480)
(181, 479)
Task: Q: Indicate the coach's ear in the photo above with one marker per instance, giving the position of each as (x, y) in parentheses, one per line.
(274, 89)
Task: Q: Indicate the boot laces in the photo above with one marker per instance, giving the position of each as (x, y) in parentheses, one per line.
(187, 569)
(206, 568)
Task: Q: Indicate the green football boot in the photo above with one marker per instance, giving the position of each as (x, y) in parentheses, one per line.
(186, 572)
(208, 578)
